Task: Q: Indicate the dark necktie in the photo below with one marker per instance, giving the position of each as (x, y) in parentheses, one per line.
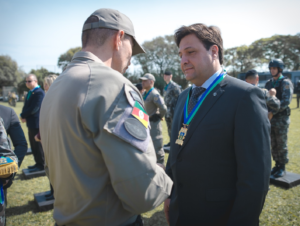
(196, 92)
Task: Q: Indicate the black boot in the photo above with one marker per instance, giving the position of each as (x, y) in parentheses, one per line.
(280, 172)
(275, 168)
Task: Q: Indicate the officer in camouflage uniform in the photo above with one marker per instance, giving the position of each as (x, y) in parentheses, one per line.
(171, 94)
(272, 101)
(156, 109)
(281, 120)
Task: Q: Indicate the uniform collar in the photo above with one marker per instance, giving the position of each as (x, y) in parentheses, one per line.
(87, 55)
(207, 83)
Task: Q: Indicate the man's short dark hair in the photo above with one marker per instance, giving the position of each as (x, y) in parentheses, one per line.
(139, 86)
(167, 73)
(251, 73)
(209, 36)
(97, 36)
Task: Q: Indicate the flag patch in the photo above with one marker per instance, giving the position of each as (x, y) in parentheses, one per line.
(139, 113)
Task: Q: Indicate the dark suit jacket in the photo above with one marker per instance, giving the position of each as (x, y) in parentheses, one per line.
(221, 173)
(14, 130)
(31, 109)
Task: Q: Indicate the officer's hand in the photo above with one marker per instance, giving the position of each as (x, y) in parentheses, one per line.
(166, 210)
(270, 115)
(22, 119)
(36, 138)
(163, 119)
(272, 92)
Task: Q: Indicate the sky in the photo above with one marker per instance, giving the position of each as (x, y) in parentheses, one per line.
(35, 33)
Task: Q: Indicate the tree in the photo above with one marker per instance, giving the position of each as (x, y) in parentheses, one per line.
(239, 59)
(66, 57)
(285, 47)
(10, 74)
(161, 55)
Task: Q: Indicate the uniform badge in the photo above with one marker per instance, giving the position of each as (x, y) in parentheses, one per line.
(135, 96)
(140, 114)
(155, 98)
(135, 128)
(287, 86)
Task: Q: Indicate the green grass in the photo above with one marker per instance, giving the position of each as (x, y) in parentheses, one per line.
(282, 207)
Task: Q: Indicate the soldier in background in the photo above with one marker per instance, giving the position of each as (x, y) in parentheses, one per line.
(156, 109)
(272, 101)
(171, 94)
(280, 120)
(140, 88)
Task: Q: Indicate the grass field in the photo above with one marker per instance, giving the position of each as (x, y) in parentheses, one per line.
(282, 206)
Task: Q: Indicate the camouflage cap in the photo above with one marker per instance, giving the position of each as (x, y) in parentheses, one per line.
(113, 19)
(148, 76)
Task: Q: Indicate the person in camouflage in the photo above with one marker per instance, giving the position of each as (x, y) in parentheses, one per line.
(273, 103)
(156, 109)
(171, 93)
(280, 120)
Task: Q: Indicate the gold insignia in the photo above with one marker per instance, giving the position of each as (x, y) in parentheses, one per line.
(181, 135)
(287, 86)
(155, 98)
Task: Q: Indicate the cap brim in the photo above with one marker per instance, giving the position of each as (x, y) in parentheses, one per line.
(137, 48)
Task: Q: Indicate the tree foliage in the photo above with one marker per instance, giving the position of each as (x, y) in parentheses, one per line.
(161, 55)
(66, 57)
(10, 74)
(259, 53)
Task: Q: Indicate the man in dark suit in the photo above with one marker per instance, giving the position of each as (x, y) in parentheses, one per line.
(31, 115)
(220, 161)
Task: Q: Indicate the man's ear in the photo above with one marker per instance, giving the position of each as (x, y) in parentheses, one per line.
(118, 38)
(215, 51)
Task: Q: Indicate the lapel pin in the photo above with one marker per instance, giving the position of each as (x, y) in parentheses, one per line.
(215, 94)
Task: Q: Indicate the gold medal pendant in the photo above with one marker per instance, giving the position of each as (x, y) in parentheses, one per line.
(181, 135)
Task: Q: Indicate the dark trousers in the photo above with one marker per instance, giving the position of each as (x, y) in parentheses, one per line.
(37, 149)
(298, 98)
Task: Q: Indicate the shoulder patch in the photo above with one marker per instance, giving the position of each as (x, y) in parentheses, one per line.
(129, 97)
(156, 98)
(135, 96)
(287, 86)
(135, 128)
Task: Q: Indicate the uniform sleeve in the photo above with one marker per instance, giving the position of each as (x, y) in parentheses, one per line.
(175, 94)
(137, 180)
(287, 94)
(160, 104)
(253, 158)
(17, 137)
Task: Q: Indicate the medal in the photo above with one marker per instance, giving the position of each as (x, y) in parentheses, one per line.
(181, 135)
(187, 118)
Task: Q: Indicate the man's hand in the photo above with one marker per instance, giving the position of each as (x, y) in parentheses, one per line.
(23, 119)
(270, 115)
(272, 92)
(36, 138)
(166, 210)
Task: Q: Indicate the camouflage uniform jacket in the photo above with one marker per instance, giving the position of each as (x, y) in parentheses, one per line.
(171, 94)
(154, 104)
(272, 102)
(284, 93)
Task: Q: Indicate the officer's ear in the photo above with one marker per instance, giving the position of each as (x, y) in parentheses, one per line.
(118, 38)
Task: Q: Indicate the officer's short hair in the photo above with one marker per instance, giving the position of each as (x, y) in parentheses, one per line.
(33, 75)
(209, 36)
(251, 73)
(97, 36)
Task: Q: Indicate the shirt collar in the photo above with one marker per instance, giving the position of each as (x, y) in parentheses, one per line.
(35, 88)
(208, 82)
(87, 55)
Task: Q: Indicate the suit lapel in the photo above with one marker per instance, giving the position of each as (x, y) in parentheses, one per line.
(207, 104)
